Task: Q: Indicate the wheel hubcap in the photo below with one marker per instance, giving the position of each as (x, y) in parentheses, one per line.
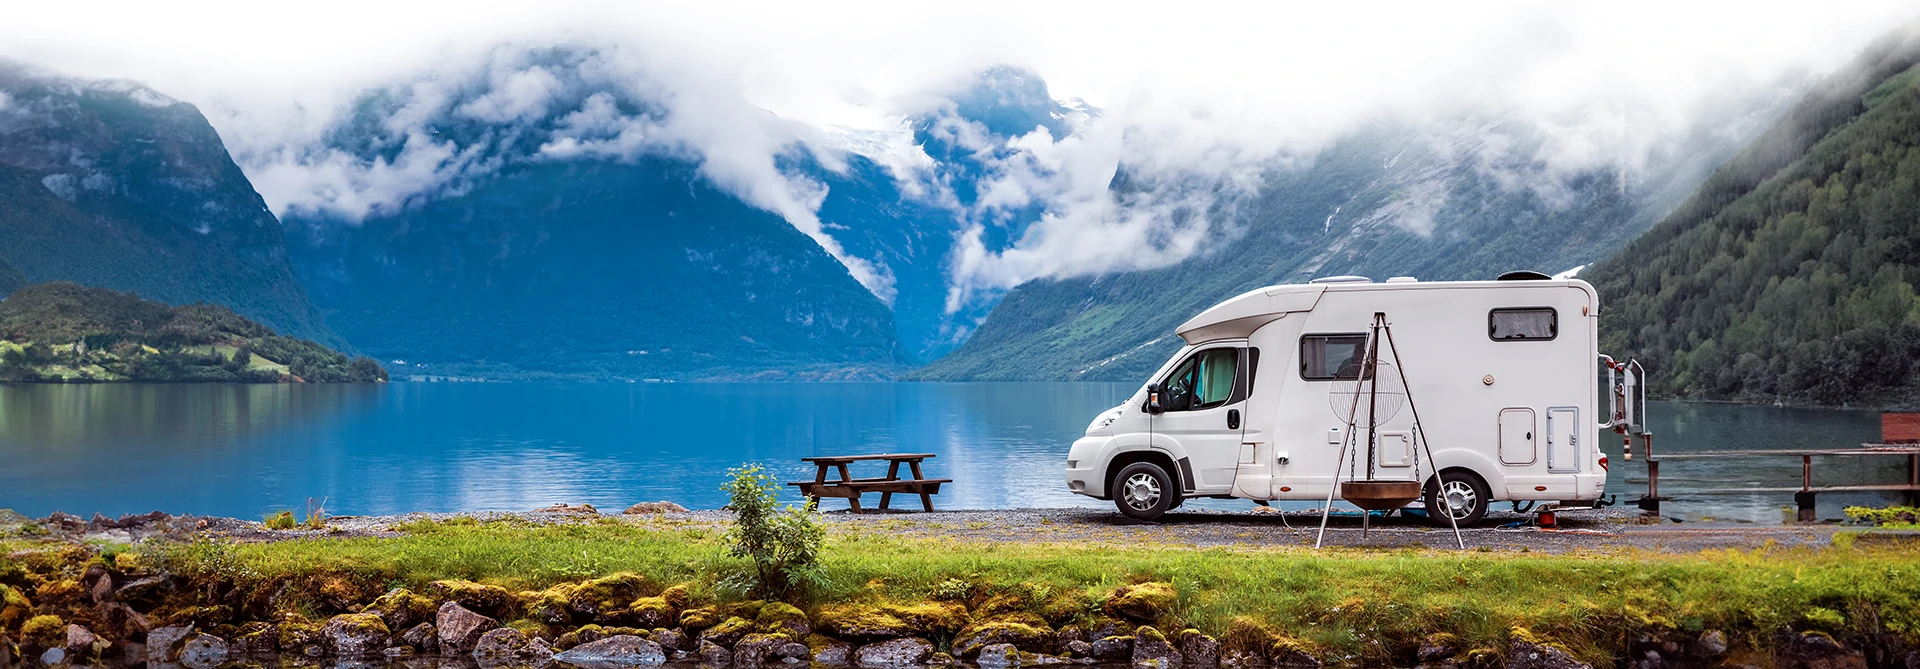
(1459, 497)
(1142, 491)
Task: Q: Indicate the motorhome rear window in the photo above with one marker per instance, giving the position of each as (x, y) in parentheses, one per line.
(1326, 357)
(1526, 324)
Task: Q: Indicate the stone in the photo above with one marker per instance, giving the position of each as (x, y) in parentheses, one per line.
(1142, 603)
(1030, 638)
(867, 623)
(654, 507)
(499, 646)
(1198, 650)
(1712, 643)
(1234, 658)
(1112, 649)
(255, 638)
(671, 639)
(460, 629)
(563, 507)
(1009, 656)
(80, 641)
(1817, 650)
(941, 660)
(729, 632)
(623, 650)
(782, 618)
(1436, 647)
(1291, 655)
(793, 650)
(1077, 649)
(203, 651)
(753, 650)
(892, 654)
(163, 643)
(712, 653)
(355, 635)
(488, 600)
(401, 608)
(423, 637)
(53, 656)
(830, 652)
(1151, 649)
(99, 583)
(1526, 654)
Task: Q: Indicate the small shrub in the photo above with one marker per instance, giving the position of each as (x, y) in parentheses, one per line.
(784, 545)
(316, 514)
(1892, 516)
(281, 520)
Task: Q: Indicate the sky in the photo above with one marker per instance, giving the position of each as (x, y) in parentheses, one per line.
(1206, 93)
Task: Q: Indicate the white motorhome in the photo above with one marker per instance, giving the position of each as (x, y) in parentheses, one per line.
(1504, 376)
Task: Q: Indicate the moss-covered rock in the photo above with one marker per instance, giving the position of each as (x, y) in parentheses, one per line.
(828, 651)
(355, 634)
(61, 593)
(15, 607)
(607, 599)
(728, 631)
(694, 620)
(204, 617)
(1023, 634)
(867, 622)
(1290, 653)
(44, 631)
(1143, 603)
(550, 606)
(488, 600)
(401, 608)
(297, 633)
(662, 610)
(782, 618)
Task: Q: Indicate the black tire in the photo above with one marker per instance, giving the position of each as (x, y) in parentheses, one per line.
(1143, 491)
(1463, 486)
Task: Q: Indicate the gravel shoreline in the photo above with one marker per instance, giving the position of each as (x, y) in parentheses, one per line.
(1587, 530)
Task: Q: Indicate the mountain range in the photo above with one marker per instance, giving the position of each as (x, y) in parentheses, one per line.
(581, 235)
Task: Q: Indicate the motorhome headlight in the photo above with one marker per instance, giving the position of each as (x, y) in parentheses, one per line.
(1105, 418)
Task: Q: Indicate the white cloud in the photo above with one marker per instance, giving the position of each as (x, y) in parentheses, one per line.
(1199, 100)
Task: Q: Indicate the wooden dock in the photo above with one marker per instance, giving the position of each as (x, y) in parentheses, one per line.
(1900, 434)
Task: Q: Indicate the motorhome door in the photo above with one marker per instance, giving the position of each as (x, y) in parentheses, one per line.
(1204, 404)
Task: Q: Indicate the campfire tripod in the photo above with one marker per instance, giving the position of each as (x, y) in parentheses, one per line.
(1371, 494)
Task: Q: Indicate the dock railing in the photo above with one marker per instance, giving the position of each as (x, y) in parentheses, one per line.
(1900, 437)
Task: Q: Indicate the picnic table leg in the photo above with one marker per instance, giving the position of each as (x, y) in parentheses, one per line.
(926, 500)
(813, 500)
(854, 501)
(893, 474)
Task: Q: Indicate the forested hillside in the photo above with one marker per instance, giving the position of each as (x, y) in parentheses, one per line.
(1790, 274)
(112, 184)
(68, 332)
(10, 278)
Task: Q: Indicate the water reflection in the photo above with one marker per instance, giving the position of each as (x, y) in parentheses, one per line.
(247, 450)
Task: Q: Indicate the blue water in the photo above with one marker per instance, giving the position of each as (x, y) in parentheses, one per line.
(245, 450)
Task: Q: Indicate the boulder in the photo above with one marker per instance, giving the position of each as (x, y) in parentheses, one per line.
(654, 507)
(163, 644)
(1290, 654)
(782, 618)
(203, 651)
(423, 637)
(754, 650)
(296, 635)
(1030, 638)
(793, 651)
(505, 645)
(1527, 653)
(355, 635)
(694, 620)
(712, 653)
(1009, 656)
(1112, 649)
(729, 632)
(861, 622)
(98, 583)
(255, 638)
(1817, 650)
(1712, 643)
(488, 600)
(1152, 649)
(1142, 603)
(460, 629)
(830, 652)
(563, 507)
(1198, 650)
(893, 654)
(1077, 649)
(614, 652)
(401, 608)
(672, 639)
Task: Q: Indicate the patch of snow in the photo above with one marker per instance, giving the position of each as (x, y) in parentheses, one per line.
(1569, 274)
(61, 185)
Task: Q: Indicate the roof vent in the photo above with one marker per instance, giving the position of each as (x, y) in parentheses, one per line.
(1403, 279)
(1524, 275)
(1342, 279)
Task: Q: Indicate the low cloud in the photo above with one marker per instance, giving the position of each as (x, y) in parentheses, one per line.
(1194, 106)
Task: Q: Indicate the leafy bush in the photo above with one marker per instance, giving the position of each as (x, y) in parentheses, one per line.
(784, 545)
(1892, 516)
(282, 520)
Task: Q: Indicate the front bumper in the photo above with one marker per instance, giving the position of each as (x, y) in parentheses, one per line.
(1084, 470)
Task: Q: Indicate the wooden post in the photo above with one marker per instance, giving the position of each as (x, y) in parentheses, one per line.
(853, 499)
(893, 474)
(1806, 473)
(926, 500)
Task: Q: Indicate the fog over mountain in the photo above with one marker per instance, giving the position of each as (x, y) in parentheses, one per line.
(945, 157)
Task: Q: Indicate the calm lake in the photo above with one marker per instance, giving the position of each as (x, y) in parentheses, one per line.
(246, 450)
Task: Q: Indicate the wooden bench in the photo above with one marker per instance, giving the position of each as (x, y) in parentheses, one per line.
(849, 488)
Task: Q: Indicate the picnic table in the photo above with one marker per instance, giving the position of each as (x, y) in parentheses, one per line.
(850, 488)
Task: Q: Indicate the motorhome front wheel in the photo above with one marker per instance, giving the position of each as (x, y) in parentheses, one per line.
(1143, 491)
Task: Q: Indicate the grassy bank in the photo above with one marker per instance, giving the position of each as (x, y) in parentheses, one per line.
(1344, 603)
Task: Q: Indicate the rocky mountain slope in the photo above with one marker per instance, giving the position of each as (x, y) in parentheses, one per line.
(1789, 275)
(112, 184)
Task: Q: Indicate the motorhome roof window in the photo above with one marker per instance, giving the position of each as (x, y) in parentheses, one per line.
(1523, 324)
(1327, 357)
(1203, 381)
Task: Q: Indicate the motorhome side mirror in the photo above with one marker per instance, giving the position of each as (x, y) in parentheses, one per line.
(1153, 399)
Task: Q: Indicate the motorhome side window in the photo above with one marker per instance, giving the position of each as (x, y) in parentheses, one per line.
(1202, 381)
(1326, 357)
(1530, 324)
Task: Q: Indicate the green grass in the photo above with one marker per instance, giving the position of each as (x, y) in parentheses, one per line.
(1339, 599)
